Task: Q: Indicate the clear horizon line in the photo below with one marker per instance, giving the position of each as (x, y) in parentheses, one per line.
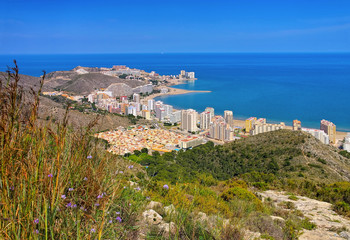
(161, 53)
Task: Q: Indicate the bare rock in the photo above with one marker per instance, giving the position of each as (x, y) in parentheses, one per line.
(151, 217)
(277, 218)
(249, 235)
(202, 217)
(169, 210)
(167, 229)
(153, 204)
(345, 235)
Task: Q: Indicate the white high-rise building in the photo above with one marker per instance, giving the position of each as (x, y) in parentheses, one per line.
(168, 109)
(205, 118)
(346, 145)
(211, 110)
(151, 104)
(228, 115)
(175, 117)
(319, 134)
(136, 97)
(217, 128)
(160, 113)
(189, 120)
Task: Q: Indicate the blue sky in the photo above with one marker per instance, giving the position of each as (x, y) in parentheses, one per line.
(141, 26)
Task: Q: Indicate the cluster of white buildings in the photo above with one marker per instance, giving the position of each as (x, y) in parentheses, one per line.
(187, 75)
(326, 134)
(218, 127)
(163, 112)
(346, 144)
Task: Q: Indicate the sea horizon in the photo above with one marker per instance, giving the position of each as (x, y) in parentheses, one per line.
(276, 86)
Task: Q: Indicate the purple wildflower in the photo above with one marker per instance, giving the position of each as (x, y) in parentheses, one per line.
(131, 167)
(100, 196)
(110, 221)
(36, 221)
(92, 230)
(138, 189)
(166, 186)
(63, 196)
(97, 204)
(74, 206)
(117, 213)
(69, 205)
(70, 189)
(12, 188)
(50, 175)
(82, 208)
(124, 187)
(121, 172)
(119, 219)
(36, 231)
(89, 157)
(85, 178)
(148, 198)
(129, 204)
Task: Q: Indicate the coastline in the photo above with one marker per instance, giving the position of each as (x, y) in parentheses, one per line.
(241, 123)
(173, 91)
(237, 122)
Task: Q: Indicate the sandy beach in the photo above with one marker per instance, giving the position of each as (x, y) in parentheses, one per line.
(172, 91)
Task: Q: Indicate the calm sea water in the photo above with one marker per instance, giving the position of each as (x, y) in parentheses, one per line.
(279, 87)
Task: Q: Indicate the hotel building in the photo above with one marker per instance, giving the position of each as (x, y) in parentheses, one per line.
(346, 145)
(329, 128)
(211, 110)
(296, 125)
(228, 115)
(189, 120)
(205, 119)
(319, 134)
(260, 126)
(249, 124)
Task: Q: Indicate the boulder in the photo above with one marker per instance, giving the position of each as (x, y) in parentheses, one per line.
(169, 210)
(345, 235)
(167, 229)
(151, 217)
(153, 204)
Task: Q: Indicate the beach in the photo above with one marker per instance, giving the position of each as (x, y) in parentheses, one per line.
(171, 91)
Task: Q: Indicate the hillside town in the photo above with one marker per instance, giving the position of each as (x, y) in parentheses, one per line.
(170, 128)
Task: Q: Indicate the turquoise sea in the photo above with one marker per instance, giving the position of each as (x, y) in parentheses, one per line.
(279, 87)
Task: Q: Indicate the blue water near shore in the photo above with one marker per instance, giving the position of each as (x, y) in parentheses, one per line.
(279, 87)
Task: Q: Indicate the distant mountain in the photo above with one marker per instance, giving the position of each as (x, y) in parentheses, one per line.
(83, 84)
(51, 110)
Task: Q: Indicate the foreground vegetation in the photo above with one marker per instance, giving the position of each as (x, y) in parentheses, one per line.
(56, 183)
(275, 160)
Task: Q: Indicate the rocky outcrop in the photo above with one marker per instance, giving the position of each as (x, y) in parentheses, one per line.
(320, 213)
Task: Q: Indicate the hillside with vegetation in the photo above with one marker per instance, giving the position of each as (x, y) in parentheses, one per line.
(57, 182)
(84, 84)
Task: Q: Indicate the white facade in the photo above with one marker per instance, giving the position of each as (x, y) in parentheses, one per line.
(211, 110)
(136, 97)
(346, 145)
(175, 117)
(228, 115)
(189, 120)
(319, 134)
(205, 118)
(151, 104)
(189, 74)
